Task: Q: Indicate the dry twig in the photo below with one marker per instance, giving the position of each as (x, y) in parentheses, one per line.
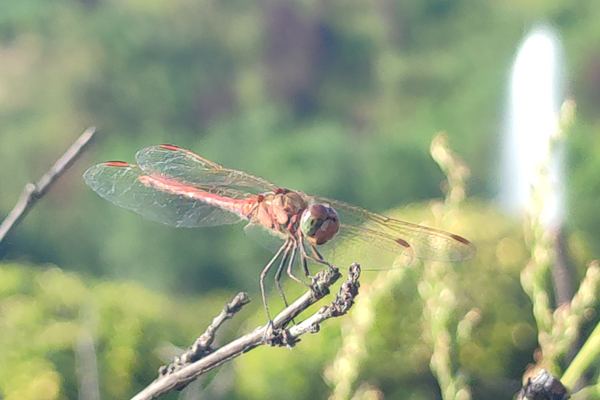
(32, 193)
(201, 358)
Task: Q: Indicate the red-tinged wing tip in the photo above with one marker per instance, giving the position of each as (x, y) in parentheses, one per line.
(170, 147)
(120, 164)
(460, 239)
(403, 243)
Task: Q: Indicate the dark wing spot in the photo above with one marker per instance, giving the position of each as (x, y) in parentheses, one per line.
(402, 243)
(460, 239)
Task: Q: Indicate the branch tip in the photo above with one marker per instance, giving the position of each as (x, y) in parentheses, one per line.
(32, 193)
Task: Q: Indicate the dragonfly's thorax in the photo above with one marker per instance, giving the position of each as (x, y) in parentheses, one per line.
(280, 210)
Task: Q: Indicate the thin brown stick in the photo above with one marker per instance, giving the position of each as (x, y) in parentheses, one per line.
(201, 346)
(274, 335)
(32, 193)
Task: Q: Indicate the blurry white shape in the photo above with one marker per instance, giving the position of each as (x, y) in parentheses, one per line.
(536, 94)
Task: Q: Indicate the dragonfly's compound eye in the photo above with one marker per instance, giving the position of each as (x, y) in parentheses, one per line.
(319, 223)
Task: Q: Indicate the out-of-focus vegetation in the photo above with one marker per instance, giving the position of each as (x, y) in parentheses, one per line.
(53, 322)
(338, 98)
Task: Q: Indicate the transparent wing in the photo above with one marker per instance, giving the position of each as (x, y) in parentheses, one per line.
(372, 249)
(267, 238)
(120, 183)
(427, 243)
(189, 168)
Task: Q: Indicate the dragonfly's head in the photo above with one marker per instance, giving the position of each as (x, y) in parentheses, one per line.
(319, 223)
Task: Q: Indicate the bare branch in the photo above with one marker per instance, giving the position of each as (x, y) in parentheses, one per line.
(177, 376)
(32, 193)
(201, 346)
(340, 306)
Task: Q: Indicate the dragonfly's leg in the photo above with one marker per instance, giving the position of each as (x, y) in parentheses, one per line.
(284, 260)
(318, 258)
(262, 279)
(318, 261)
(316, 252)
(291, 263)
(304, 258)
(318, 255)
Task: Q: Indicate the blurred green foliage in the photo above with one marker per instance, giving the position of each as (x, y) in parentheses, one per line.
(52, 322)
(337, 98)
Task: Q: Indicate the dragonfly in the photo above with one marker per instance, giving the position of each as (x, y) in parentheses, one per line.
(177, 187)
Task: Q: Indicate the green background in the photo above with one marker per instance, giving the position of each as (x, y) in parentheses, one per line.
(335, 98)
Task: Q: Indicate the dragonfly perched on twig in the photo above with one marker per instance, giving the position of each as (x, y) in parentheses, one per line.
(177, 187)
